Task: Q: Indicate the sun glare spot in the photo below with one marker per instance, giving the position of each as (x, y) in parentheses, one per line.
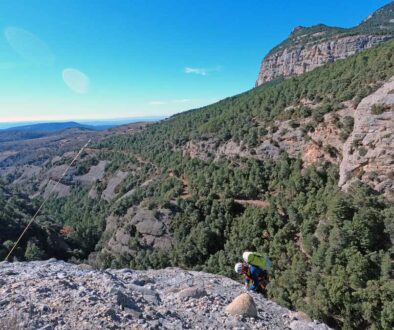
(76, 80)
(29, 46)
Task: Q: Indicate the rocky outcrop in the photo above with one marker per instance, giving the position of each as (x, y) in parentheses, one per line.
(95, 173)
(57, 189)
(301, 58)
(360, 139)
(109, 192)
(150, 226)
(310, 47)
(56, 295)
(368, 153)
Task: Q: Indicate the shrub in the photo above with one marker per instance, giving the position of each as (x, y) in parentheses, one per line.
(305, 112)
(309, 128)
(33, 252)
(380, 108)
(331, 150)
(293, 124)
(362, 151)
(346, 126)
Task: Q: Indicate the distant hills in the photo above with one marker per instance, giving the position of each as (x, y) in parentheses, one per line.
(55, 127)
(31, 131)
(95, 125)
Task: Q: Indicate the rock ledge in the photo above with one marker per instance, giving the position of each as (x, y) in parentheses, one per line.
(57, 295)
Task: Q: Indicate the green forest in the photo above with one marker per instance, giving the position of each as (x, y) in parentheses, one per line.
(332, 251)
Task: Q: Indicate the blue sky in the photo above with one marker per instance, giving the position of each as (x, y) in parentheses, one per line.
(78, 59)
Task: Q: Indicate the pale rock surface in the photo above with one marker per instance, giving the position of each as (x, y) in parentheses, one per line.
(57, 189)
(242, 305)
(57, 295)
(368, 153)
(152, 227)
(109, 192)
(95, 173)
(302, 58)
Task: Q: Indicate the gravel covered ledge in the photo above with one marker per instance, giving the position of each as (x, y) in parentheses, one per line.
(57, 295)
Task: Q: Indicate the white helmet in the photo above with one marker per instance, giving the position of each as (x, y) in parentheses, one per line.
(245, 256)
(238, 268)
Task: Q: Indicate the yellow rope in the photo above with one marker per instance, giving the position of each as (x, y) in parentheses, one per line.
(45, 200)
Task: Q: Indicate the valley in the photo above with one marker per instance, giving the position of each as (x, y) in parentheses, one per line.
(300, 168)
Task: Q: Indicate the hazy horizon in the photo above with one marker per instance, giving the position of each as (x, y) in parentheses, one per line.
(86, 121)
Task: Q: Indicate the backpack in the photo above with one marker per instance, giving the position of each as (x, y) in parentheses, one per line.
(256, 259)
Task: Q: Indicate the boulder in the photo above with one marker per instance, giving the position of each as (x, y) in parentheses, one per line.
(125, 301)
(242, 305)
(192, 292)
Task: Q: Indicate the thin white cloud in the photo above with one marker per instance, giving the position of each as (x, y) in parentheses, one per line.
(157, 102)
(182, 101)
(202, 71)
(199, 71)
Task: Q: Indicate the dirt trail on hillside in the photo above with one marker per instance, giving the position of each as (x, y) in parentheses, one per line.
(254, 202)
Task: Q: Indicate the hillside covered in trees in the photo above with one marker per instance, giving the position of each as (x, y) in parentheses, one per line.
(332, 248)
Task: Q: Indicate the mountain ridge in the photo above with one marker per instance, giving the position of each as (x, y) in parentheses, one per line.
(310, 47)
(54, 127)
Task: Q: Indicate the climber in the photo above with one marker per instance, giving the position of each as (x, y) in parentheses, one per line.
(255, 269)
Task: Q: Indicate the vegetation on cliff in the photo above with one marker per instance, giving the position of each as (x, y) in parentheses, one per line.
(377, 23)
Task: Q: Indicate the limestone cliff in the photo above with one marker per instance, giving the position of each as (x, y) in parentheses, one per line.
(368, 153)
(310, 47)
(302, 58)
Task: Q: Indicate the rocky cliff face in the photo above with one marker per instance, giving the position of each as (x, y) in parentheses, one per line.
(151, 227)
(302, 58)
(56, 295)
(368, 153)
(310, 47)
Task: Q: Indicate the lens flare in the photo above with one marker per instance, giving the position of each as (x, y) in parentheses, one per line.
(76, 80)
(29, 46)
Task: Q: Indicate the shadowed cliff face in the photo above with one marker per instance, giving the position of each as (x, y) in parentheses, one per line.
(310, 47)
